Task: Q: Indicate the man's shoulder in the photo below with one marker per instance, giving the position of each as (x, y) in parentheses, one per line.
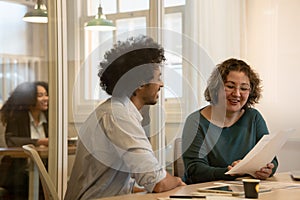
(113, 107)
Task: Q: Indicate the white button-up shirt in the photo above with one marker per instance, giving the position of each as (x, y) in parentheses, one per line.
(113, 151)
(37, 131)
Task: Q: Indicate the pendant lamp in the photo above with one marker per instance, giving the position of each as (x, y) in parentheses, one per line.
(38, 15)
(100, 23)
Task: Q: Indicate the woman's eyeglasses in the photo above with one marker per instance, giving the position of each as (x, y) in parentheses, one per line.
(230, 87)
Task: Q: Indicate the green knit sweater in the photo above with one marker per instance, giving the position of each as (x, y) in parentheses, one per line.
(209, 149)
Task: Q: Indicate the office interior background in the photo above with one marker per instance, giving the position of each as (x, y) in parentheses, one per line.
(196, 34)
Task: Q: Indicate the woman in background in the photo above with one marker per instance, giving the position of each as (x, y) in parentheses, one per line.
(25, 116)
(216, 137)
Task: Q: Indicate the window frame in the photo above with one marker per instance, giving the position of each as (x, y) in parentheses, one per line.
(82, 107)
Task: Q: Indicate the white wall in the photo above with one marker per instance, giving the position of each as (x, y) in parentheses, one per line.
(13, 34)
(273, 49)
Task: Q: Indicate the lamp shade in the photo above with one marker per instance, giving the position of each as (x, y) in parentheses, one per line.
(38, 15)
(100, 23)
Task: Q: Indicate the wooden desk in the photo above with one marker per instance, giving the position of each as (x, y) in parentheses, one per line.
(14, 152)
(275, 194)
(18, 152)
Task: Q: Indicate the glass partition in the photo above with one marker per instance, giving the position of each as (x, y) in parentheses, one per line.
(23, 62)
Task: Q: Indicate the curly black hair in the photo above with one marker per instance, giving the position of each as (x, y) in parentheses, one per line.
(129, 64)
(219, 77)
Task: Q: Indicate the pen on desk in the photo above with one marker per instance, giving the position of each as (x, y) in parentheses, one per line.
(186, 196)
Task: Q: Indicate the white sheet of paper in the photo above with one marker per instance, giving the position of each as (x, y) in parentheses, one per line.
(263, 152)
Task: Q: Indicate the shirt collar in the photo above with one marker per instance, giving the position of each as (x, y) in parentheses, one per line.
(130, 106)
(42, 118)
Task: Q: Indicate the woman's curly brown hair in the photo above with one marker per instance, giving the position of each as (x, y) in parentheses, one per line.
(126, 56)
(219, 77)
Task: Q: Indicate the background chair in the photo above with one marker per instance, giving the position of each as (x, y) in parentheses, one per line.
(2, 137)
(48, 186)
(178, 163)
(3, 191)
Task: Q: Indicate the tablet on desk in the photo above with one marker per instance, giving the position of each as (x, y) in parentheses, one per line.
(233, 189)
(295, 175)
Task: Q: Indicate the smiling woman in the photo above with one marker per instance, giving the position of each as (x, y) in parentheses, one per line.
(216, 137)
(25, 115)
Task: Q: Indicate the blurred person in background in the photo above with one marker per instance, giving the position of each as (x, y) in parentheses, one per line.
(25, 117)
